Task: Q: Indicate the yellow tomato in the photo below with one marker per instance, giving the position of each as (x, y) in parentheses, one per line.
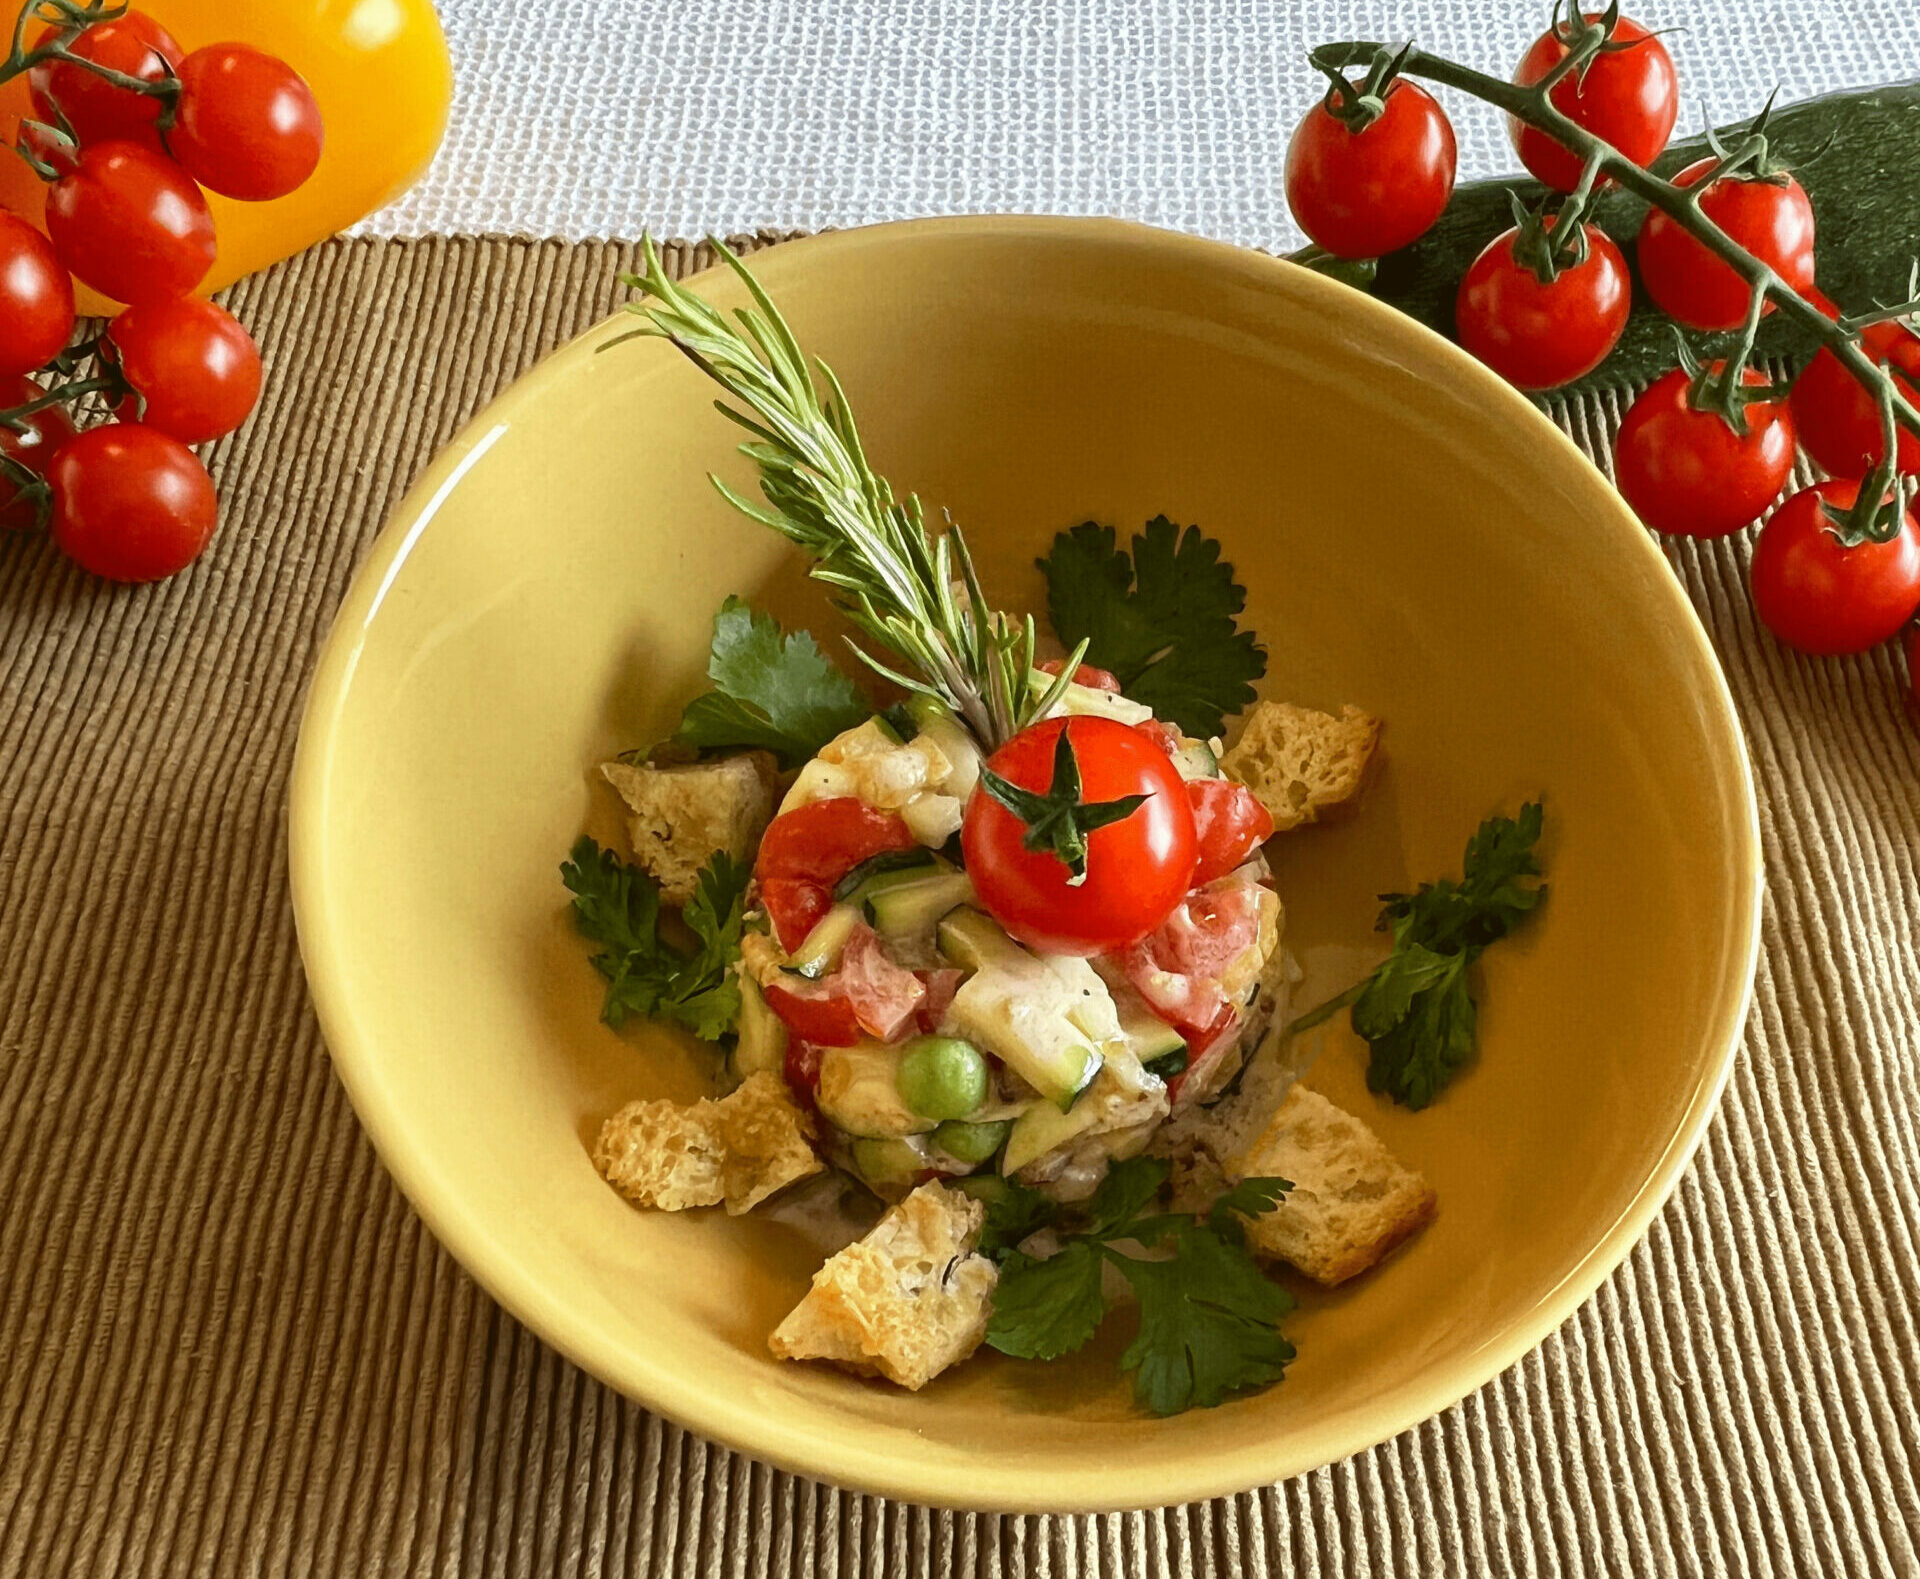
(380, 74)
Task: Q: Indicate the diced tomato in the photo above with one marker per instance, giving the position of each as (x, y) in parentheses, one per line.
(941, 985)
(1229, 824)
(1161, 733)
(1092, 678)
(818, 1011)
(885, 996)
(1206, 1046)
(803, 1069)
(823, 840)
(1178, 968)
(794, 905)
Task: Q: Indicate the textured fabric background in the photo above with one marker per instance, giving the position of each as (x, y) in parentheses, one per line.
(227, 1346)
(606, 117)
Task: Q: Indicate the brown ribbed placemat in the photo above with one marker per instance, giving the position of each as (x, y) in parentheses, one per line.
(228, 1347)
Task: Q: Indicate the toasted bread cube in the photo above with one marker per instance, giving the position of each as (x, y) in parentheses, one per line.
(905, 1302)
(681, 815)
(1299, 763)
(1352, 1200)
(738, 1150)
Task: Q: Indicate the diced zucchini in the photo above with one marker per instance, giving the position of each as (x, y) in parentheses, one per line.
(763, 1034)
(820, 954)
(859, 1092)
(1169, 1064)
(886, 863)
(908, 905)
(1195, 760)
(971, 939)
(1085, 701)
(1041, 1129)
(888, 1164)
(1147, 1035)
(970, 1143)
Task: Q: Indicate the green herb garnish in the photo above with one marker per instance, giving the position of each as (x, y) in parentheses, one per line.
(1209, 1317)
(1417, 1009)
(1162, 619)
(618, 906)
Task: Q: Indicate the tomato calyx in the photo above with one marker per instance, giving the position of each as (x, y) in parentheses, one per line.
(1358, 105)
(1720, 386)
(1549, 242)
(1855, 524)
(1058, 821)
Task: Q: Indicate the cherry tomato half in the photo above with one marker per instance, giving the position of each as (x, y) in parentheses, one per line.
(1540, 336)
(802, 1069)
(1628, 96)
(129, 222)
(247, 125)
(1363, 194)
(130, 503)
(814, 1012)
(1089, 675)
(1820, 596)
(36, 298)
(1772, 219)
(804, 852)
(194, 365)
(98, 110)
(1137, 868)
(1229, 824)
(34, 448)
(1839, 422)
(1687, 472)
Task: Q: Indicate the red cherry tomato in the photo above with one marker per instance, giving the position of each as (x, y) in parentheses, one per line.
(36, 298)
(1820, 596)
(1686, 471)
(1839, 422)
(1628, 96)
(1162, 734)
(1772, 220)
(1539, 336)
(196, 367)
(1363, 194)
(129, 223)
(247, 126)
(802, 1069)
(1137, 868)
(98, 110)
(130, 504)
(40, 438)
(1093, 678)
(804, 852)
(1228, 825)
(794, 906)
(815, 1012)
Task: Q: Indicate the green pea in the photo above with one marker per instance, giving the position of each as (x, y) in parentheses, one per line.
(970, 1142)
(941, 1077)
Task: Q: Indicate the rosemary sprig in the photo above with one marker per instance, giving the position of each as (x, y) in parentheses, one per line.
(915, 593)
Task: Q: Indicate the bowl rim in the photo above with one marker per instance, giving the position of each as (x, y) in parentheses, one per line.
(841, 1458)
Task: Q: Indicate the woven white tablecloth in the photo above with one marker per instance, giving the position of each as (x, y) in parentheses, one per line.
(605, 117)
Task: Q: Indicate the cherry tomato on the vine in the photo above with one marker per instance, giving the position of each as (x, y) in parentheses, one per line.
(1137, 869)
(1363, 194)
(98, 110)
(36, 298)
(1821, 596)
(1839, 421)
(1686, 471)
(130, 503)
(130, 223)
(247, 125)
(1540, 336)
(1627, 96)
(196, 367)
(41, 434)
(1770, 217)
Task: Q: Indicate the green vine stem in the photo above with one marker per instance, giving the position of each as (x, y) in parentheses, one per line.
(1868, 520)
(70, 17)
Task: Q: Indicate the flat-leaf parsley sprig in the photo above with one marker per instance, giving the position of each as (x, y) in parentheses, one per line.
(914, 592)
(1209, 1316)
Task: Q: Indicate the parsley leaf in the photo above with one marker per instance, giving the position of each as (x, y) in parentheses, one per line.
(1417, 1010)
(1209, 1317)
(1013, 1212)
(1162, 621)
(771, 690)
(617, 905)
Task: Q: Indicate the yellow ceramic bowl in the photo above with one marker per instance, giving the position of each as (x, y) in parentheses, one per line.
(1415, 538)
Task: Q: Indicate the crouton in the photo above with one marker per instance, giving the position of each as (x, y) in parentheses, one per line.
(1352, 1200)
(738, 1150)
(907, 1301)
(1299, 763)
(682, 814)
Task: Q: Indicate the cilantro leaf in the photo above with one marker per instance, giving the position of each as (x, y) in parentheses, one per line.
(1043, 1309)
(617, 905)
(771, 690)
(1013, 1212)
(1417, 1010)
(1162, 621)
(1248, 1198)
(1209, 1323)
(1126, 1192)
